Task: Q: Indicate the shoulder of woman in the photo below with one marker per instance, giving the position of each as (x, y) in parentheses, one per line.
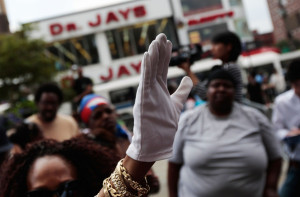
(191, 116)
(251, 112)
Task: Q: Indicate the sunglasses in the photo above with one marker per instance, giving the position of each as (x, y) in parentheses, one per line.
(66, 189)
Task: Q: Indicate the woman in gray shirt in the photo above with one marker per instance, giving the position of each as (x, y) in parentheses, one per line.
(224, 148)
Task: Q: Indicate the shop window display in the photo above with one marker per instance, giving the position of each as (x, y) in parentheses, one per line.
(81, 51)
(134, 40)
(204, 34)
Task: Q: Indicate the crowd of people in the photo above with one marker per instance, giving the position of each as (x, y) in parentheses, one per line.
(220, 148)
(263, 88)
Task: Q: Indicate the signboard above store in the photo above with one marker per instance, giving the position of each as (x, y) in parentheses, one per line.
(210, 18)
(111, 17)
(101, 19)
(126, 67)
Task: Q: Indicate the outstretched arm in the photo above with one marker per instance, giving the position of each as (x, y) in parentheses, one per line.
(186, 66)
(156, 113)
(273, 173)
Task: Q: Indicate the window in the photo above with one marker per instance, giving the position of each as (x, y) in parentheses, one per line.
(292, 21)
(241, 28)
(235, 2)
(134, 40)
(199, 6)
(81, 51)
(123, 98)
(205, 34)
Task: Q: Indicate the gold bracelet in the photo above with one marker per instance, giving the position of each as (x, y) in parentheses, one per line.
(111, 191)
(142, 190)
(114, 185)
(105, 187)
(119, 185)
(120, 189)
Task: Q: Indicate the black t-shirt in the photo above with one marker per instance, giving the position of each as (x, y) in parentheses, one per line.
(255, 93)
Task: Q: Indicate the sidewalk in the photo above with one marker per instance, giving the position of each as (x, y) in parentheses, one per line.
(161, 170)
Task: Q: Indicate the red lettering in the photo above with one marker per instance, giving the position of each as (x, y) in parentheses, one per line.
(97, 23)
(56, 29)
(139, 11)
(192, 22)
(71, 27)
(124, 13)
(109, 77)
(123, 71)
(136, 67)
(210, 18)
(111, 17)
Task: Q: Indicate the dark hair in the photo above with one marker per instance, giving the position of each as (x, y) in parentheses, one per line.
(24, 134)
(49, 88)
(93, 163)
(221, 73)
(293, 73)
(232, 39)
(253, 74)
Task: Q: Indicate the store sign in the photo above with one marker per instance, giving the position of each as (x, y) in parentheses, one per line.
(210, 18)
(121, 71)
(98, 19)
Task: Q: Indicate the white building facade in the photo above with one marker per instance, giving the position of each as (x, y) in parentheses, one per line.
(110, 41)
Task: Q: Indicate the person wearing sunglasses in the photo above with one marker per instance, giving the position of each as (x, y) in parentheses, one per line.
(67, 188)
(156, 115)
(73, 168)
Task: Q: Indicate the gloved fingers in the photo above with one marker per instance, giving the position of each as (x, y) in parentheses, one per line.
(182, 92)
(145, 70)
(167, 60)
(162, 40)
(154, 56)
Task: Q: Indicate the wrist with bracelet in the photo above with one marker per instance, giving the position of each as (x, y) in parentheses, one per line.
(121, 184)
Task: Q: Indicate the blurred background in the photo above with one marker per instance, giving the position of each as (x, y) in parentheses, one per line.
(52, 39)
(49, 40)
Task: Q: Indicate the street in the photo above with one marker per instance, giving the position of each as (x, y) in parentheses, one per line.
(161, 170)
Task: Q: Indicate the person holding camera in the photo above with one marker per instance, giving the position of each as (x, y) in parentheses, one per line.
(227, 47)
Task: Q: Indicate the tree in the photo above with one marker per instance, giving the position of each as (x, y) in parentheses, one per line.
(22, 62)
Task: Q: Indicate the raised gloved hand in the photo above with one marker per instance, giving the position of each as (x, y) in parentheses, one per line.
(155, 112)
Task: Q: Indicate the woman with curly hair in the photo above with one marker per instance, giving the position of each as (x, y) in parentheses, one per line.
(50, 167)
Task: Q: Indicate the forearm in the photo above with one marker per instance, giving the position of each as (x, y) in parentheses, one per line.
(194, 78)
(273, 173)
(173, 177)
(281, 132)
(137, 169)
(186, 67)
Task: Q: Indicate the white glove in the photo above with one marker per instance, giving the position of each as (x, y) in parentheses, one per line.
(155, 112)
